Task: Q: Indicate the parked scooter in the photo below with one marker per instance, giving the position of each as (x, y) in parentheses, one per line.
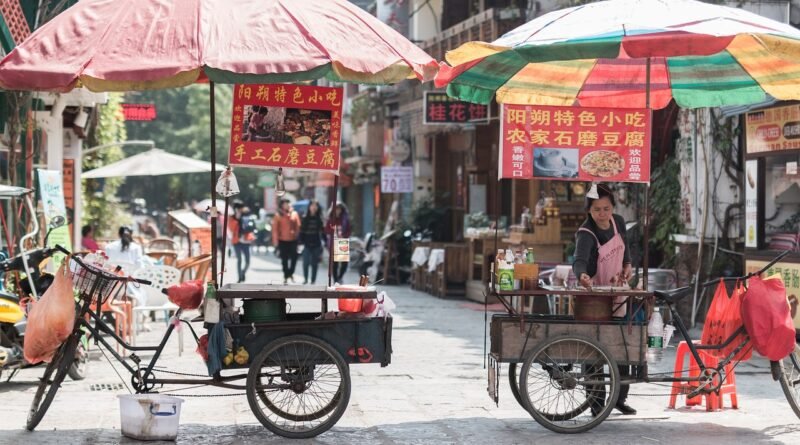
(12, 316)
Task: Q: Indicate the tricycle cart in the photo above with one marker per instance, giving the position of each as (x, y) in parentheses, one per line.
(298, 367)
(571, 370)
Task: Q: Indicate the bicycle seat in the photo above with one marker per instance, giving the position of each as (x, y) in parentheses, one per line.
(673, 295)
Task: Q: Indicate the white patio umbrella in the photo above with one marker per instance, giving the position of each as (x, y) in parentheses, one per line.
(154, 162)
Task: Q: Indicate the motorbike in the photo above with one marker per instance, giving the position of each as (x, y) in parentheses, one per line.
(12, 315)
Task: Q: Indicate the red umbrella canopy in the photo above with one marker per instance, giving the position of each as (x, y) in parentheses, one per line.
(108, 45)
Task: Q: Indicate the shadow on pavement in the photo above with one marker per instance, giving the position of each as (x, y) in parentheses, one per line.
(440, 431)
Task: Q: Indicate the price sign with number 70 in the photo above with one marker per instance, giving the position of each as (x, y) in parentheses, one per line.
(397, 179)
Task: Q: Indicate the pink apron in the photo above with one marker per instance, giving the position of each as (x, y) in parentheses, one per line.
(609, 264)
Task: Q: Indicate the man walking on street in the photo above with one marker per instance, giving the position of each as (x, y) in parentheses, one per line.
(285, 229)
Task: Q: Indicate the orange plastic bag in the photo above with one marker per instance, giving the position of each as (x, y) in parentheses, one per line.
(51, 319)
(723, 320)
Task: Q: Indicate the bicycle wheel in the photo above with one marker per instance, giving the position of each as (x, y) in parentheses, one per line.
(790, 379)
(562, 378)
(298, 386)
(51, 380)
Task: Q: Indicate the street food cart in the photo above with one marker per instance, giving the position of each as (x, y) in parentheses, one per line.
(614, 57)
(191, 228)
(311, 125)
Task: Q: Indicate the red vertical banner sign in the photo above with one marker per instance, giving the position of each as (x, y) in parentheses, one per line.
(575, 143)
(284, 125)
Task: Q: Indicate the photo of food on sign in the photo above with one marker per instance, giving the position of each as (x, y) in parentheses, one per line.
(603, 164)
(555, 162)
(286, 125)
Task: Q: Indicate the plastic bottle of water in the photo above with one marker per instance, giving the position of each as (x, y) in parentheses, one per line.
(197, 249)
(655, 337)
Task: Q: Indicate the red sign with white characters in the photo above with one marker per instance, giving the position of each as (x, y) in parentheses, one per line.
(575, 143)
(284, 125)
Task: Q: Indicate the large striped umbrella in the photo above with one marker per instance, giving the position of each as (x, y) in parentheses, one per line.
(701, 55)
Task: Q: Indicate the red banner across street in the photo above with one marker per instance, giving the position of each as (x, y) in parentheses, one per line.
(575, 144)
(290, 126)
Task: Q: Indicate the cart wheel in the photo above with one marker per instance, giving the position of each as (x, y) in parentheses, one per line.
(513, 382)
(569, 384)
(298, 386)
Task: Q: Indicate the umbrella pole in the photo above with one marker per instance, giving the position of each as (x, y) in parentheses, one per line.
(333, 214)
(213, 125)
(224, 241)
(647, 186)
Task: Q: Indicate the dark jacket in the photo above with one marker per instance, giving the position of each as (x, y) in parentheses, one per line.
(586, 246)
(311, 230)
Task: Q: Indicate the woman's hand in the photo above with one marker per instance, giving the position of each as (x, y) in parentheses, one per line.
(627, 272)
(585, 280)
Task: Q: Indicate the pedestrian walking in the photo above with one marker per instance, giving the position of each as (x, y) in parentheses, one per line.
(242, 228)
(285, 230)
(311, 232)
(338, 226)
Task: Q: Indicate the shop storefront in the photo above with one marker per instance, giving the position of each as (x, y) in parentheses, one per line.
(772, 194)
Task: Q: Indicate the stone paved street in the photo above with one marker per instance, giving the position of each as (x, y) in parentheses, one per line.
(434, 392)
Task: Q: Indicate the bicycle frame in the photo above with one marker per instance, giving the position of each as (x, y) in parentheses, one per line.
(141, 378)
(694, 349)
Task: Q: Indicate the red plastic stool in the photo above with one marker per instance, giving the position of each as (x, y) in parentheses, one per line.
(713, 401)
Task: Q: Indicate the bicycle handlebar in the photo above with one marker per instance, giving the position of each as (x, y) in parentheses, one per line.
(751, 274)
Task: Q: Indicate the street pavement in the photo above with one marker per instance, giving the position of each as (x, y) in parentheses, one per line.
(433, 392)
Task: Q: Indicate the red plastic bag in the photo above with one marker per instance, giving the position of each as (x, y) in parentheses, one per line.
(51, 319)
(723, 320)
(767, 317)
(187, 295)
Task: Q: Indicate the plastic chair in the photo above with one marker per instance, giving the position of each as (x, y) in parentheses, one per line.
(712, 400)
(160, 276)
(121, 311)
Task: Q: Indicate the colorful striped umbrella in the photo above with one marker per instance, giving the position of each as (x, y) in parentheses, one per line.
(701, 55)
(112, 45)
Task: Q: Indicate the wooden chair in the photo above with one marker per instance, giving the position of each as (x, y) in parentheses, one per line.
(194, 268)
(161, 244)
(451, 275)
(166, 257)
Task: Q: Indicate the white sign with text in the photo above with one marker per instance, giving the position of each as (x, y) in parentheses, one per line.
(397, 179)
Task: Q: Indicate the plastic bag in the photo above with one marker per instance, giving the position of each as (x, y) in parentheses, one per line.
(379, 307)
(186, 295)
(723, 320)
(767, 317)
(51, 319)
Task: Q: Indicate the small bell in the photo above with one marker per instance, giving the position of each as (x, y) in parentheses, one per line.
(280, 189)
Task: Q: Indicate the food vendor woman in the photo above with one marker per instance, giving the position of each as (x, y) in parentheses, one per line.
(602, 256)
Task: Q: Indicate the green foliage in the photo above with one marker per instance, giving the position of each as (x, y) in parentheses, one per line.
(360, 111)
(99, 206)
(426, 215)
(665, 204)
(183, 128)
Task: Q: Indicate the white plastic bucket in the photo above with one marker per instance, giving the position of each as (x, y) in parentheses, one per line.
(150, 416)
